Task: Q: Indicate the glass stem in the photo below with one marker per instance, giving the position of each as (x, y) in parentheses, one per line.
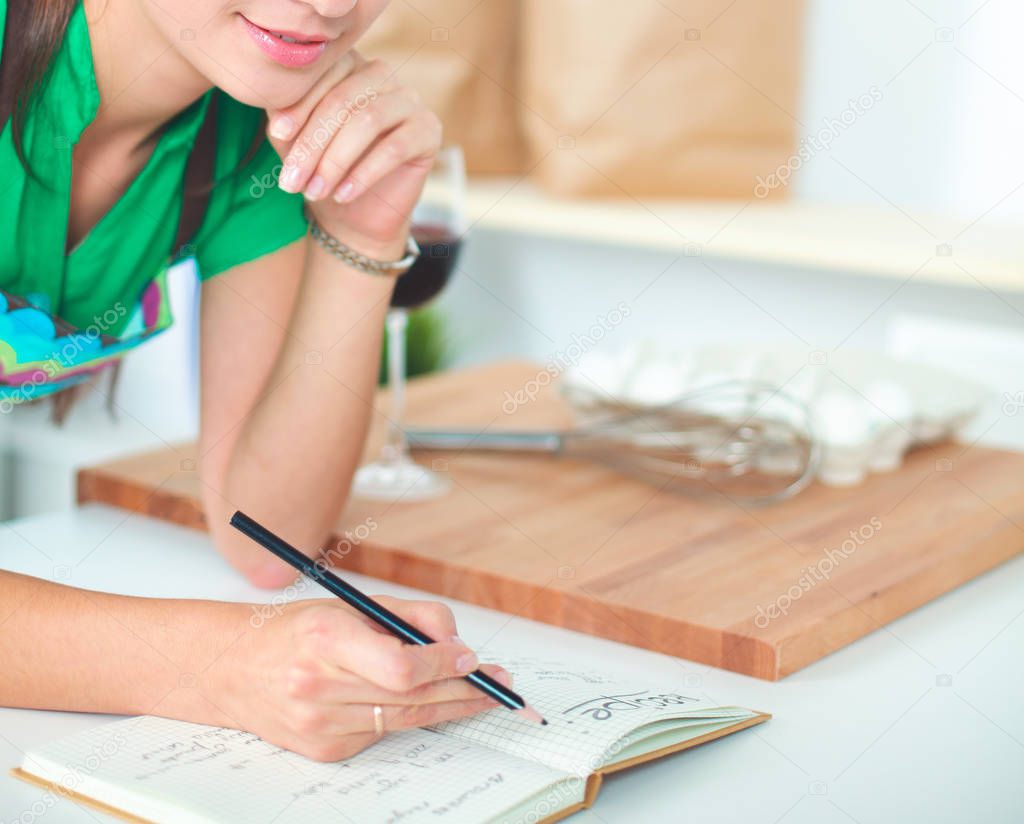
(397, 450)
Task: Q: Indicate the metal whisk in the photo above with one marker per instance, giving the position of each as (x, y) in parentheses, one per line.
(743, 440)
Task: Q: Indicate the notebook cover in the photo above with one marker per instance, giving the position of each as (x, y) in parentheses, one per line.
(595, 779)
(78, 798)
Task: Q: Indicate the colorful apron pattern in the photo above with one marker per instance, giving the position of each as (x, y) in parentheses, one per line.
(41, 354)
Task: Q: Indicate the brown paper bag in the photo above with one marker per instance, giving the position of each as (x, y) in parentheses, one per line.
(659, 97)
(460, 55)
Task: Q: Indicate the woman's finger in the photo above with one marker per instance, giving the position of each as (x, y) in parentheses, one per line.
(420, 715)
(352, 97)
(417, 139)
(351, 729)
(450, 689)
(284, 124)
(387, 662)
(349, 719)
(432, 617)
(356, 135)
(329, 685)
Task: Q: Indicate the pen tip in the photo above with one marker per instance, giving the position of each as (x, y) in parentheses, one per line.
(544, 722)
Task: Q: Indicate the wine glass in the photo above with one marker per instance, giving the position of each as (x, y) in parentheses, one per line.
(438, 224)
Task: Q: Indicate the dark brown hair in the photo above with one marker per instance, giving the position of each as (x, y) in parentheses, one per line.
(32, 34)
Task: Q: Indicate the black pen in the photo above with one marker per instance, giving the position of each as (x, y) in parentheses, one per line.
(377, 613)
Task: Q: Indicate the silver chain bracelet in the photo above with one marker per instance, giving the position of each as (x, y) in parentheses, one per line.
(382, 268)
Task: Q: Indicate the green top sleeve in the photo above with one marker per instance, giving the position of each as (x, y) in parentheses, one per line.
(247, 215)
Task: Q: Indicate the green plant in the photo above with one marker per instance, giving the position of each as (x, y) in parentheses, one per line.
(424, 345)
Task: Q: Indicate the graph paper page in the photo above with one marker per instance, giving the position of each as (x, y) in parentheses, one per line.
(589, 714)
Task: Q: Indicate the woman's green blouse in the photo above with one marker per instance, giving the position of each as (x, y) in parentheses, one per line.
(247, 215)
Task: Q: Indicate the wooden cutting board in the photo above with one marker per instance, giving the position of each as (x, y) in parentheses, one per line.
(763, 591)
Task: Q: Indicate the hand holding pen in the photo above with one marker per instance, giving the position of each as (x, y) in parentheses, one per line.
(344, 680)
(307, 675)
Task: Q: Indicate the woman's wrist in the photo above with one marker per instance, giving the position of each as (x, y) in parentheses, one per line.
(376, 248)
(193, 687)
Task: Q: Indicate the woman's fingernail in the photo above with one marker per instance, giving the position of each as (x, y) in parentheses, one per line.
(282, 127)
(315, 188)
(289, 178)
(503, 676)
(344, 192)
(466, 663)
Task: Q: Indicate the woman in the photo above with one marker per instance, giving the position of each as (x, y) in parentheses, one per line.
(111, 110)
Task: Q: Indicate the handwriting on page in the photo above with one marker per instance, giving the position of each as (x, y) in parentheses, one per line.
(587, 712)
(208, 745)
(603, 707)
(407, 777)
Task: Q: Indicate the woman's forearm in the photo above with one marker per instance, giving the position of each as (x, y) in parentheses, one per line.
(300, 429)
(305, 675)
(73, 649)
(295, 453)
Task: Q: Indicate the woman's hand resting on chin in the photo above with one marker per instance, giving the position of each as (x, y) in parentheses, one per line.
(359, 146)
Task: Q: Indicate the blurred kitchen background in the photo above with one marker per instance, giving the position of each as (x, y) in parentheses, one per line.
(828, 175)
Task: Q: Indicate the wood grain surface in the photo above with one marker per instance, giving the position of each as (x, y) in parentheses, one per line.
(762, 591)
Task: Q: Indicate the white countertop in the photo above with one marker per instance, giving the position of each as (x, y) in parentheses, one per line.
(921, 721)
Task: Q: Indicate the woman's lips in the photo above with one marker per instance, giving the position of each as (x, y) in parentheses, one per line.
(302, 52)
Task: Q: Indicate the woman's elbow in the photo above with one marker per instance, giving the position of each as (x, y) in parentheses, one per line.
(271, 574)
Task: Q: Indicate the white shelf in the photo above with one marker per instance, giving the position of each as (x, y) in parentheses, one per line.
(880, 241)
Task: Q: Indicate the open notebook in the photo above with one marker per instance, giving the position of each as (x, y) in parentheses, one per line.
(493, 767)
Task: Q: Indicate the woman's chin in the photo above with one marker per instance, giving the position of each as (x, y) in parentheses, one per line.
(263, 90)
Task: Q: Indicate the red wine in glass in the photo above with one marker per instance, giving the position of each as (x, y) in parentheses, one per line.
(439, 250)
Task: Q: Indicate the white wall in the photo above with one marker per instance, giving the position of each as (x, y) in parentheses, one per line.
(990, 162)
(948, 132)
